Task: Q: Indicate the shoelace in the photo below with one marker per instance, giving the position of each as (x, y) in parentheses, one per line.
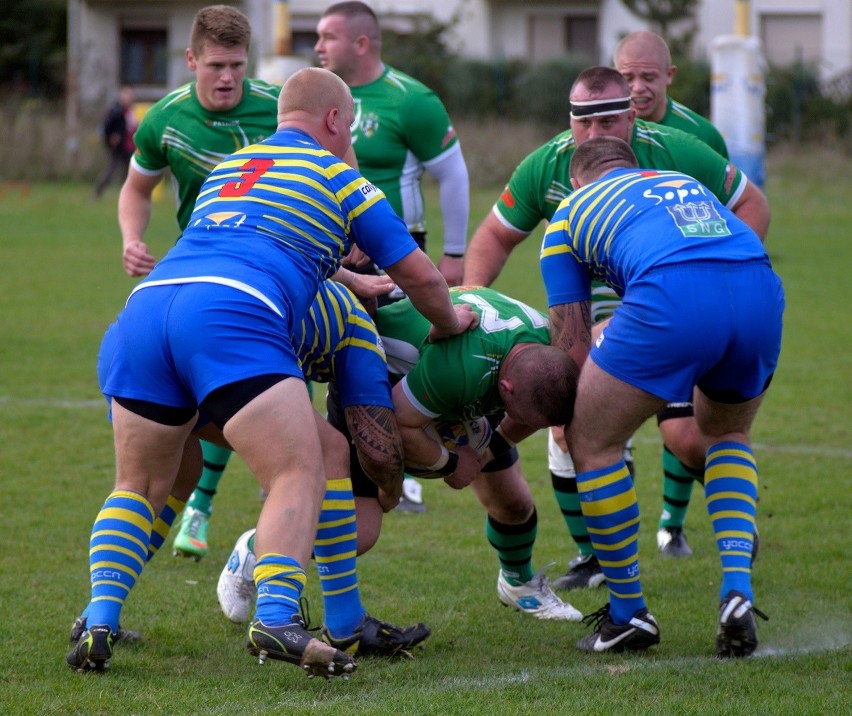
(595, 619)
(194, 525)
(305, 613)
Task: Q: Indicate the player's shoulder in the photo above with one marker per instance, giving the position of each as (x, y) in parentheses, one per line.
(262, 90)
(175, 100)
(403, 83)
(561, 146)
(664, 137)
(409, 94)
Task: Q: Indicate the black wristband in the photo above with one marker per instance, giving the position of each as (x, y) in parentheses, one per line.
(453, 256)
(498, 444)
(452, 464)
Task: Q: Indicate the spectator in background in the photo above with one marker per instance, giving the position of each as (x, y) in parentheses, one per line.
(117, 128)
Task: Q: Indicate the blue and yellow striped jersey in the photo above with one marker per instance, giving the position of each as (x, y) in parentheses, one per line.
(337, 341)
(630, 222)
(278, 216)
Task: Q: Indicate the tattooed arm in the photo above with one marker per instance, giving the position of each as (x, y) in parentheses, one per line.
(375, 432)
(571, 329)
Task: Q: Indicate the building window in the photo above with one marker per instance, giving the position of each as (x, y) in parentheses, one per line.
(303, 43)
(551, 36)
(582, 36)
(143, 57)
(789, 38)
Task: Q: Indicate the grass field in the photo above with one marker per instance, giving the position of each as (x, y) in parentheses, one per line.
(61, 283)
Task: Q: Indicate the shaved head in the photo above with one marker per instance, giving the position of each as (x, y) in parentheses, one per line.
(312, 91)
(645, 61)
(318, 102)
(643, 44)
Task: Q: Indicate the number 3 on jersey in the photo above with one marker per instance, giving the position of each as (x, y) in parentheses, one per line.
(252, 171)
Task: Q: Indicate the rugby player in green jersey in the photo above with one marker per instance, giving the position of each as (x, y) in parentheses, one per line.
(600, 106)
(501, 369)
(644, 60)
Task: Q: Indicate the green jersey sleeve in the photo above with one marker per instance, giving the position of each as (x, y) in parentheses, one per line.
(426, 126)
(537, 186)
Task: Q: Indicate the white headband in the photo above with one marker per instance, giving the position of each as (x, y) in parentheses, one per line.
(598, 107)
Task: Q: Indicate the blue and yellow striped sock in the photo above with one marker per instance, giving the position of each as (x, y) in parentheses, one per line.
(164, 523)
(280, 581)
(335, 550)
(611, 511)
(730, 490)
(118, 550)
(514, 545)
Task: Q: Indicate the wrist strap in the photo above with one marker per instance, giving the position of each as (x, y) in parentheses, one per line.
(452, 464)
(499, 444)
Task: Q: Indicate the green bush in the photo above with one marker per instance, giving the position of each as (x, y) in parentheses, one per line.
(691, 85)
(542, 90)
(798, 111)
(478, 89)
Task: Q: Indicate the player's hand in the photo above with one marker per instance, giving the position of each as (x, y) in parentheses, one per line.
(558, 433)
(468, 319)
(466, 470)
(137, 261)
(452, 269)
(356, 258)
(369, 286)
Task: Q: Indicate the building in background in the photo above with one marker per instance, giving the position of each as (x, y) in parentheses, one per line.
(141, 42)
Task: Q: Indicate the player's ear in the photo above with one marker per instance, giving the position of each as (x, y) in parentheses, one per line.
(671, 73)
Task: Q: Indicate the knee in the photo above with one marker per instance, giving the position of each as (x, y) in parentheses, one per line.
(685, 441)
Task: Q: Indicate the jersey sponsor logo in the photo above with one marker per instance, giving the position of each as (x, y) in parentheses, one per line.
(507, 198)
(221, 220)
(736, 544)
(223, 123)
(698, 219)
(367, 190)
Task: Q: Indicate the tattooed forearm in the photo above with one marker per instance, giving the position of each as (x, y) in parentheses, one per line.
(571, 325)
(376, 436)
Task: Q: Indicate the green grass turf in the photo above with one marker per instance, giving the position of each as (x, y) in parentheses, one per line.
(61, 282)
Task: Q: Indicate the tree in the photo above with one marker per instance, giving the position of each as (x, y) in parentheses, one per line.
(32, 45)
(663, 14)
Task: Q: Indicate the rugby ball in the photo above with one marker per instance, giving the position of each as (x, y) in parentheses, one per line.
(471, 433)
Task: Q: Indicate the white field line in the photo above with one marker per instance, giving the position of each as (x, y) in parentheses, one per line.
(816, 450)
